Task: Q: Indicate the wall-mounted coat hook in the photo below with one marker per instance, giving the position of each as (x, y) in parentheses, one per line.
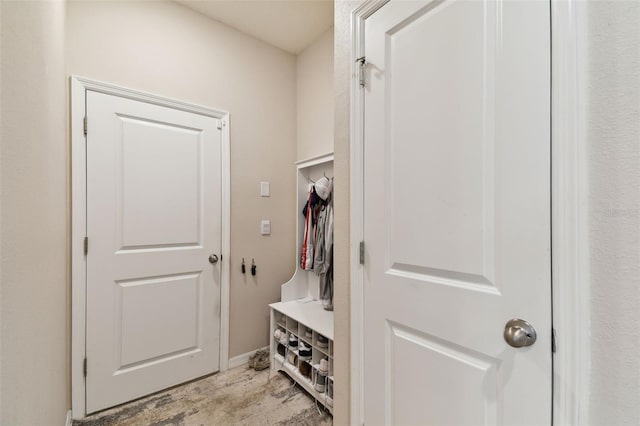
(244, 269)
(253, 267)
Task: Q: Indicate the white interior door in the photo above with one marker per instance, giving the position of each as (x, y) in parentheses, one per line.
(457, 212)
(153, 220)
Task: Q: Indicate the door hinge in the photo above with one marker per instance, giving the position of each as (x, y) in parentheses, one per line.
(553, 340)
(362, 252)
(84, 367)
(85, 125)
(86, 245)
(362, 68)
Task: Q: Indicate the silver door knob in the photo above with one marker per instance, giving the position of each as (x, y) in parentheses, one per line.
(213, 258)
(519, 333)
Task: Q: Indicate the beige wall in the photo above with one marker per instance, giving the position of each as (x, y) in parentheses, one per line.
(169, 50)
(610, 65)
(34, 379)
(315, 136)
(315, 98)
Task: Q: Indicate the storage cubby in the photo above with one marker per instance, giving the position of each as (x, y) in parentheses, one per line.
(280, 320)
(300, 313)
(292, 326)
(302, 333)
(287, 358)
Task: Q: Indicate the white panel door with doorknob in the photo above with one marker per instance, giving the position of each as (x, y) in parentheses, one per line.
(457, 214)
(153, 221)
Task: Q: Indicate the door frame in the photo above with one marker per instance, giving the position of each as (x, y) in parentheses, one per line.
(79, 87)
(570, 250)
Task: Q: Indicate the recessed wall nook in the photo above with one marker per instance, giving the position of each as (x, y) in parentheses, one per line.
(302, 322)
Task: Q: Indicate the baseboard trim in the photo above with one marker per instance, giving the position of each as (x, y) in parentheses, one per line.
(69, 421)
(242, 359)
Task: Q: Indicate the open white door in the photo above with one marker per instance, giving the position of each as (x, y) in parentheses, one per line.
(457, 213)
(153, 220)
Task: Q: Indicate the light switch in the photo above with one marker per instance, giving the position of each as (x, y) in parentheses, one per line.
(264, 189)
(265, 227)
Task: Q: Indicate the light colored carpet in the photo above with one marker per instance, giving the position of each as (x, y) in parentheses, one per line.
(240, 396)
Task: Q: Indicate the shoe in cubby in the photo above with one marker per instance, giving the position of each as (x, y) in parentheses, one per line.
(322, 342)
(292, 358)
(321, 375)
(320, 381)
(305, 368)
(281, 336)
(293, 341)
(304, 351)
(324, 366)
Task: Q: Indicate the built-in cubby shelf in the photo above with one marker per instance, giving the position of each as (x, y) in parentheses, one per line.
(300, 313)
(301, 319)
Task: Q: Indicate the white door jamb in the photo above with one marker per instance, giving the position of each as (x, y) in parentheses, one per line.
(570, 267)
(79, 86)
(356, 211)
(570, 270)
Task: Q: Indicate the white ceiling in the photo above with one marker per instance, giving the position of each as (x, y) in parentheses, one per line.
(291, 25)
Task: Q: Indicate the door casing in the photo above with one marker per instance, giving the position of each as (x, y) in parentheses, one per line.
(79, 86)
(570, 271)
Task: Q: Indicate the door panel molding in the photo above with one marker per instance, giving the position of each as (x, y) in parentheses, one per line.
(568, 192)
(79, 87)
(474, 371)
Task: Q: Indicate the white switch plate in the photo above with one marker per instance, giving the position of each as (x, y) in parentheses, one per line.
(265, 227)
(264, 189)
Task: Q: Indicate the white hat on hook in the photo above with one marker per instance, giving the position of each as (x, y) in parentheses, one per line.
(323, 188)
